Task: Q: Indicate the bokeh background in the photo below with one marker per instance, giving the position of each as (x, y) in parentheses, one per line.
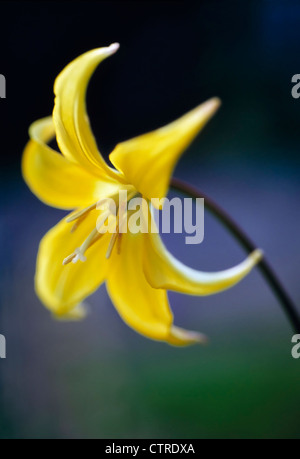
(98, 378)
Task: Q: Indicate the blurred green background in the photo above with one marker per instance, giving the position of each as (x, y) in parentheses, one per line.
(98, 378)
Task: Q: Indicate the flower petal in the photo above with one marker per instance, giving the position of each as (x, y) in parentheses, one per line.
(55, 180)
(73, 131)
(62, 287)
(142, 307)
(79, 312)
(148, 161)
(163, 270)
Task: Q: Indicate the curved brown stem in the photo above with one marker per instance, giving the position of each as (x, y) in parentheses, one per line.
(265, 268)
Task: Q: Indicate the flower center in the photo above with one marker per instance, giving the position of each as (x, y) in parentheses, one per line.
(112, 219)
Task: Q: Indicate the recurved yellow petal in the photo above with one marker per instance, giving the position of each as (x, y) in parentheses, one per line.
(142, 307)
(62, 287)
(148, 161)
(54, 179)
(79, 312)
(163, 270)
(73, 131)
(181, 337)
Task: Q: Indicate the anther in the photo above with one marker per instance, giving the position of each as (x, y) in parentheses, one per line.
(69, 258)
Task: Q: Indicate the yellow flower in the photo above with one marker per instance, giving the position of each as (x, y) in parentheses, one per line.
(74, 259)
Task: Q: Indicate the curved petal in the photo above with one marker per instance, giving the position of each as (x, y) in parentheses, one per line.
(62, 287)
(142, 307)
(73, 131)
(79, 312)
(55, 180)
(163, 270)
(148, 161)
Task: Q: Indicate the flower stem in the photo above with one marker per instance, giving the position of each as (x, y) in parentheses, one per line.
(265, 268)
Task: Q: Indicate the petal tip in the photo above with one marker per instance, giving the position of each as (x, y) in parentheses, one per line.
(113, 48)
(257, 255)
(210, 106)
(78, 313)
(216, 100)
(181, 337)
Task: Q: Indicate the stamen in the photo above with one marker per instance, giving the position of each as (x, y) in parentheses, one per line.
(96, 238)
(121, 222)
(68, 259)
(117, 236)
(80, 213)
(113, 237)
(79, 255)
(119, 243)
(96, 234)
(102, 201)
(88, 241)
(77, 223)
(112, 243)
(101, 220)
